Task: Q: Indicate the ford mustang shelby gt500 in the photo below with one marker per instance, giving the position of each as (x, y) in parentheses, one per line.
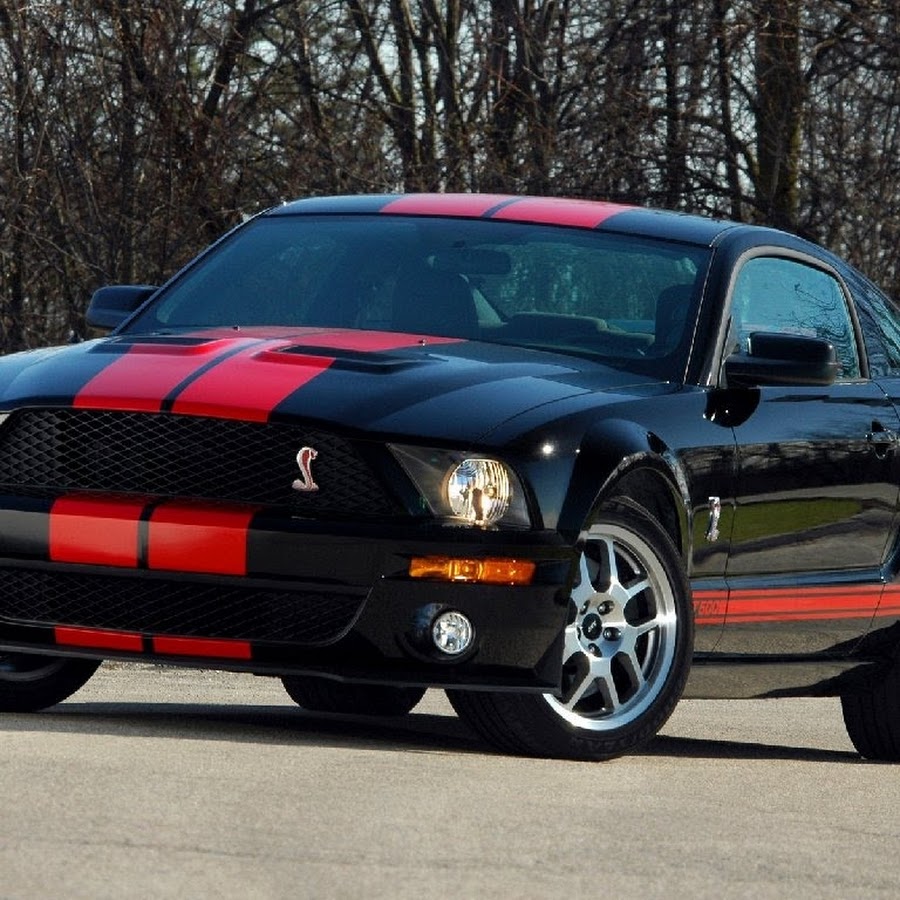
(567, 460)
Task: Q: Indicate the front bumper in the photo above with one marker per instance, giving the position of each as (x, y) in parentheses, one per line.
(243, 590)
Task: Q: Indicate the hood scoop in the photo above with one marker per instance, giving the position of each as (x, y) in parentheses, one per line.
(351, 360)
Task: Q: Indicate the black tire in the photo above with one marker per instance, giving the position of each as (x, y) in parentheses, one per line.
(872, 718)
(627, 653)
(29, 682)
(324, 695)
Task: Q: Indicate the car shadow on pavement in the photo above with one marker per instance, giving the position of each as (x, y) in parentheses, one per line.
(699, 748)
(287, 725)
(276, 724)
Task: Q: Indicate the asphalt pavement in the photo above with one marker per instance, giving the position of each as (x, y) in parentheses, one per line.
(162, 782)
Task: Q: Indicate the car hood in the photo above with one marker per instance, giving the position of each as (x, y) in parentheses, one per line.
(383, 382)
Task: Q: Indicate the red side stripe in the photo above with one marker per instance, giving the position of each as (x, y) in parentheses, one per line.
(710, 607)
(95, 531)
(890, 602)
(140, 379)
(803, 604)
(188, 538)
(209, 647)
(556, 211)
(790, 604)
(249, 385)
(98, 639)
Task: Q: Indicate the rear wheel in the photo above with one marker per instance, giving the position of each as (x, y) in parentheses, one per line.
(324, 695)
(29, 682)
(626, 656)
(872, 718)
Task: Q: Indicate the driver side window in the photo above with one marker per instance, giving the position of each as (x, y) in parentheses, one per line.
(785, 296)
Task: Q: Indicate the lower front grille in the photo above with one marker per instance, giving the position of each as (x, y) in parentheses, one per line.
(161, 606)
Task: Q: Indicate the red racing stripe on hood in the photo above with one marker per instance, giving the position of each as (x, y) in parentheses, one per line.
(140, 379)
(229, 377)
(250, 384)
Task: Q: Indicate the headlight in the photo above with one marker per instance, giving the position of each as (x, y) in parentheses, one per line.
(465, 489)
(479, 491)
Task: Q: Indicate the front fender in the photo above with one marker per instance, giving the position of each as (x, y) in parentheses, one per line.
(618, 458)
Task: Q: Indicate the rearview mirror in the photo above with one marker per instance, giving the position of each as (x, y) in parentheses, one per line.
(783, 359)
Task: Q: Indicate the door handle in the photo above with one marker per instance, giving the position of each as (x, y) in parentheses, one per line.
(881, 439)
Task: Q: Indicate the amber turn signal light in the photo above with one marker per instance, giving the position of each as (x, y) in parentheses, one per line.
(477, 571)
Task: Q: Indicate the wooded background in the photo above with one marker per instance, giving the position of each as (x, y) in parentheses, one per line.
(132, 132)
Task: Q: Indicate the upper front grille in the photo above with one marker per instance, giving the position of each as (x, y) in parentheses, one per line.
(68, 450)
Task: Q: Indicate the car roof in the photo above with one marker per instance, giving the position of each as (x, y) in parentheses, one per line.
(589, 214)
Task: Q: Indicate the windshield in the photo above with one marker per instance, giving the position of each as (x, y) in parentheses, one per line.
(623, 300)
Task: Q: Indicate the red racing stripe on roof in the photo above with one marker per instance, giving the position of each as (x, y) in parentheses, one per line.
(538, 210)
(559, 211)
(462, 205)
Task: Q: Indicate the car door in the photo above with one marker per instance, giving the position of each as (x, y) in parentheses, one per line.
(879, 319)
(816, 487)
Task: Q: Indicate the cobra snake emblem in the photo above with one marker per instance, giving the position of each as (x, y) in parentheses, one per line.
(305, 482)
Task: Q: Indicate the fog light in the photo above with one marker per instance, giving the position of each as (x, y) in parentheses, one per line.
(452, 633)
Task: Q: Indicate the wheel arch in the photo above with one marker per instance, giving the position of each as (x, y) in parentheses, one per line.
(627, 464)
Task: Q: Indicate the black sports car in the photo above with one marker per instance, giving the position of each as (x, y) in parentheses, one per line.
(567, 460)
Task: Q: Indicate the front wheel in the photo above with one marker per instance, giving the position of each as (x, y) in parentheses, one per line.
(626, 657)
(29, 682)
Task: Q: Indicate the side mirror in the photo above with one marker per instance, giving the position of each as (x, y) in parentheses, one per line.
(783, 359)
(110, 306)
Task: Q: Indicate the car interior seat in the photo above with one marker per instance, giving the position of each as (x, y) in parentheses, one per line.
(672, 307)
(438, 303)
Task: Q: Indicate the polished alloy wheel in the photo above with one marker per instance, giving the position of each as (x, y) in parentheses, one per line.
(626, 650)
(620, 640)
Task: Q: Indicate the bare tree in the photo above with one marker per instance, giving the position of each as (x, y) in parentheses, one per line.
(133, 133)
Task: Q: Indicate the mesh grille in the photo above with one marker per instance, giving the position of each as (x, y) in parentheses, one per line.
(179, 456)
(157, 606)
